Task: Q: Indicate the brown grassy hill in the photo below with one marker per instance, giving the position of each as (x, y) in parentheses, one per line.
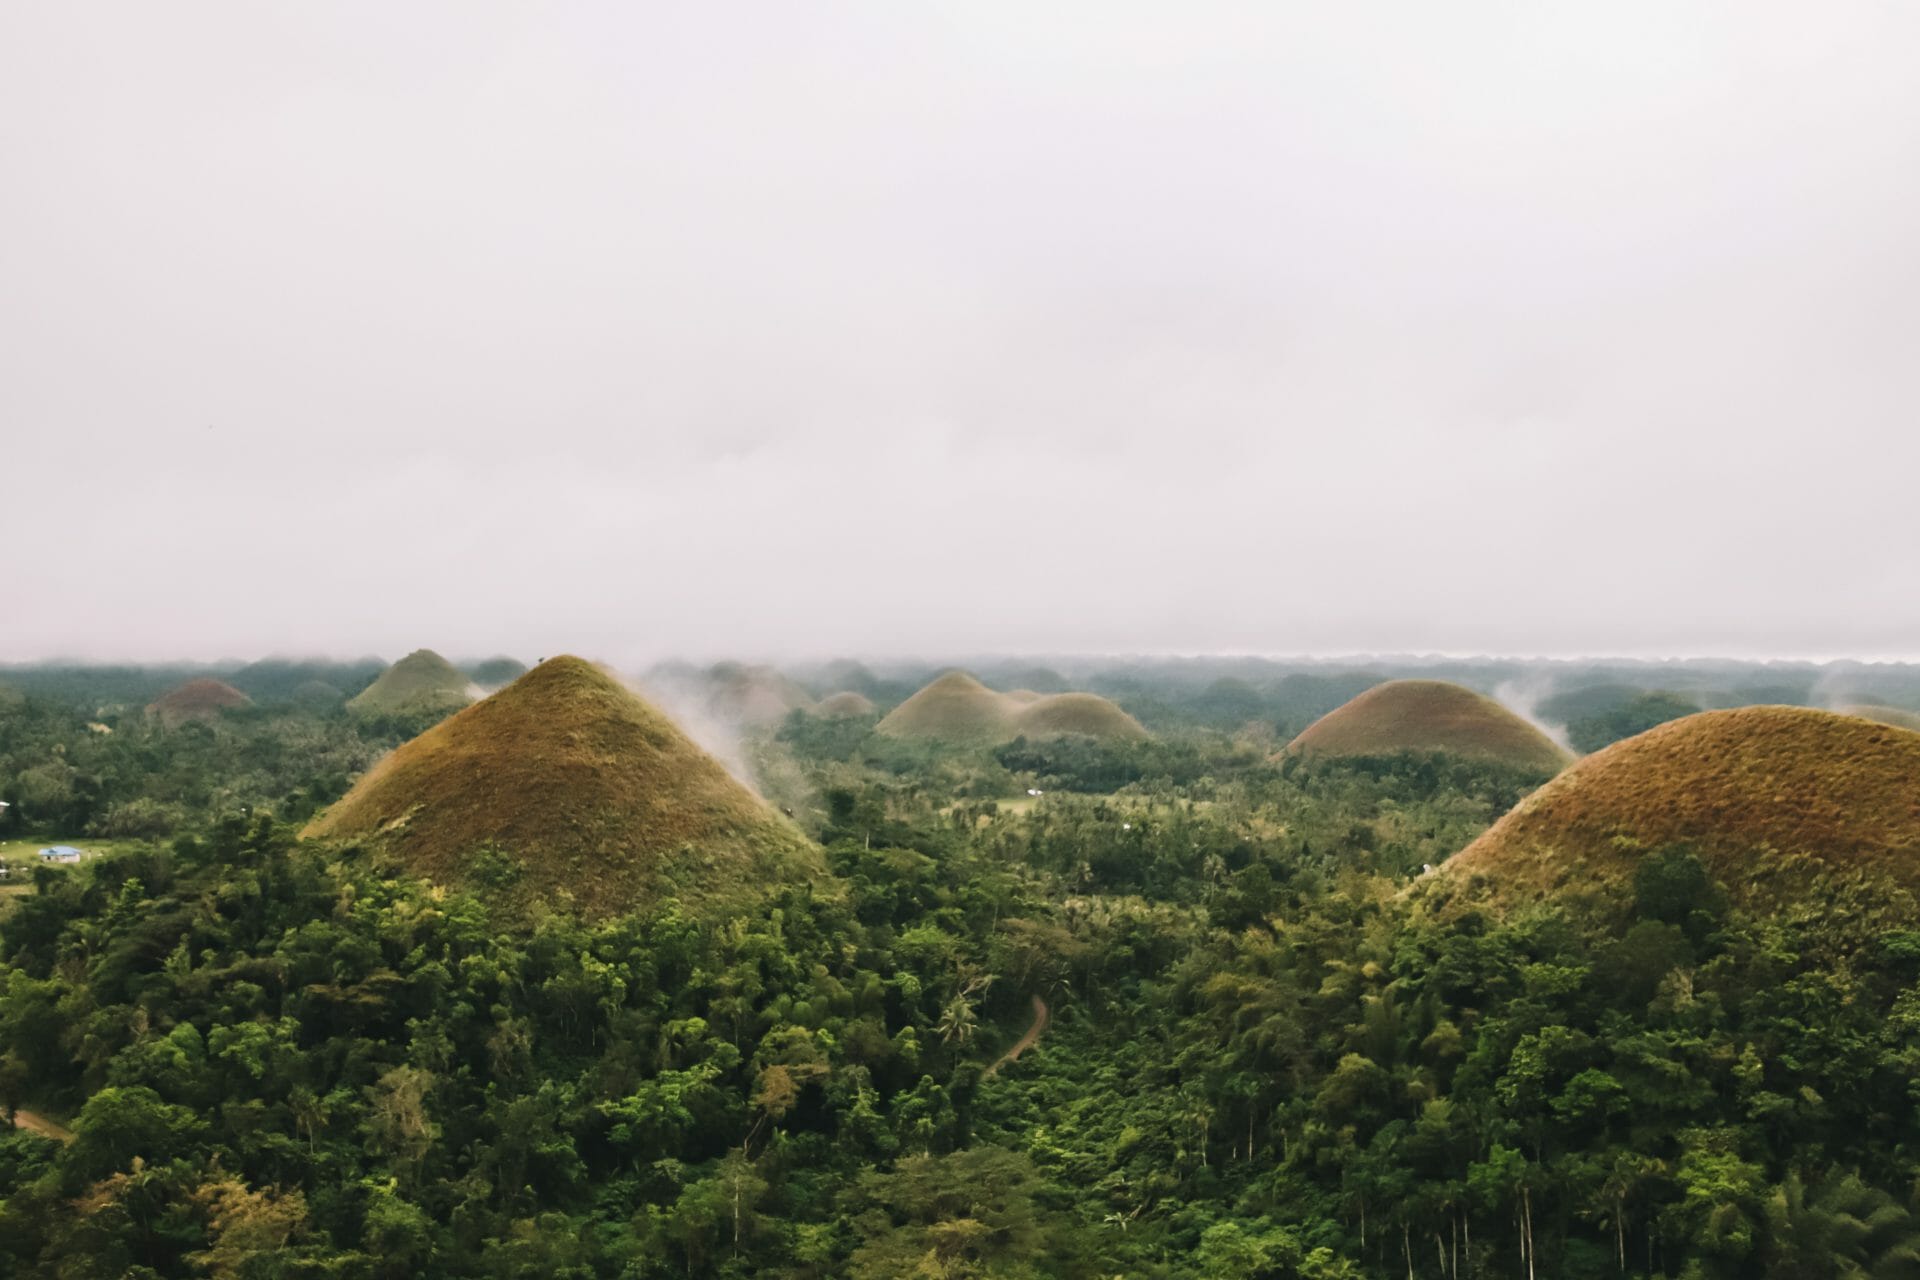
(1085, 713)
(422, 680)
(584, 793)
(954, 708)
(1429, 715)
(1770, 798)
(1898, 717)
(202, 699)
(752, 696)
(958, 708)
(844, 706)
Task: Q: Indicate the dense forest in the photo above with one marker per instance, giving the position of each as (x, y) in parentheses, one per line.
(1182, 1007)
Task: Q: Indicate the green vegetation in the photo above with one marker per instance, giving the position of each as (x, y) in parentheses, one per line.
(1429, 715)
(1258, 1039)
(1645, 711)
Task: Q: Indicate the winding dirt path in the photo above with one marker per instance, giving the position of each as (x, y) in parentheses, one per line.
(35, 1123)
(1041, 1016)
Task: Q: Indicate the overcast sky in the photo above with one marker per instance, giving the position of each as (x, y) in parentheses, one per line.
(905, 327)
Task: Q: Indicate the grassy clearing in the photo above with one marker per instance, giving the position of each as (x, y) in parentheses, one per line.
(22, 856)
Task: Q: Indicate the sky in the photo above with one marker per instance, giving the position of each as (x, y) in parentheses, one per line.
(802, 329)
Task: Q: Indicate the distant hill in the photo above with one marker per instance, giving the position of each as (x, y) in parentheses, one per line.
(202, 699)
(954, 708)
(844, 706)
(316, 694)
(1429, 715)
(1769, 798)
(957, 708)
(421, 681)
(494, 672)
(282, 679)
(1077, 713)
(752, 697)
(566, 786)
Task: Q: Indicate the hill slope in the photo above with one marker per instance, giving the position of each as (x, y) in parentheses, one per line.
(202, 699)
(589, 793)
(1768, 797)
(1429, 715)
(423, 680)
(1898, 717)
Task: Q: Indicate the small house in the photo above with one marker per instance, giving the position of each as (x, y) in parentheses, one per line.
(65, 853)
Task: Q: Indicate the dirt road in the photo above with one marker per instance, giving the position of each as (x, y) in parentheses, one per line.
(1031, 1037)
(34, 1123)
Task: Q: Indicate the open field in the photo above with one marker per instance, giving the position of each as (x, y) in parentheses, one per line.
(21, 857)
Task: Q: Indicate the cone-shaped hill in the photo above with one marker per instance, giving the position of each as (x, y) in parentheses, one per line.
(568, 785)
(958, 708)
(955, 707)
(1770, 799)
(847, 705)
(202, 699)
(421, 681)
(1082, 713)
(1429, 715)
(1898, 717)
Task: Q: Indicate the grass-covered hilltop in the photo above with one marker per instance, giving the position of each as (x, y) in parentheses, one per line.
(202, 699)
(956, 707)
(1772, 800)
(1429, 715)
(423, 681)
(1072, 970)
(566, 785)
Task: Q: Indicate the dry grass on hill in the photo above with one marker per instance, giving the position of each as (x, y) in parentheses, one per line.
(1429, 715)
(1898, 717)
(1771, 799)
(958, 708)
(202, 699)
(568, 787)
(421, 680)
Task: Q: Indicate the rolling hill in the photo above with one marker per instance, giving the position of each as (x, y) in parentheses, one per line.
(1429, 715)
(957, 708)
(1077, 713)
(566, 786)
(1771, 799)
(421, 681)
(203, 699)
(845, 705)
(752, 697)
